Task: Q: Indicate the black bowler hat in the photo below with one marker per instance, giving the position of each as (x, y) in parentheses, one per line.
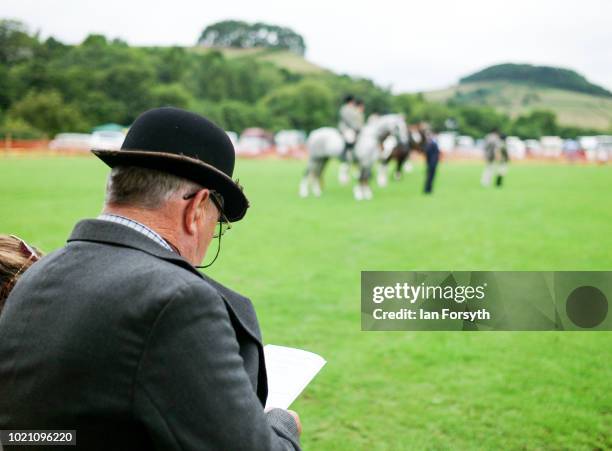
(184, 144)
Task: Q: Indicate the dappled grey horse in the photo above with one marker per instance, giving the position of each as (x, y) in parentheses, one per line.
(369, 147)
(327, 142)
(322, 144)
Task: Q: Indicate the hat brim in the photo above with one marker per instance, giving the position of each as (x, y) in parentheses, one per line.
(235, 202)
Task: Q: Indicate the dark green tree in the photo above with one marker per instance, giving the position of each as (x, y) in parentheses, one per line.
(173, 94)
(236, 33)
(16, 44)
(478, 121)
(132, 85)
(306, 105)
(535, 124)
(46, 111)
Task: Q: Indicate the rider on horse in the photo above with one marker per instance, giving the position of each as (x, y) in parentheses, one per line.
(350, 123)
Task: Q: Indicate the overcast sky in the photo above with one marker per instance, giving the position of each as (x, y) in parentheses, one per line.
(407, 45)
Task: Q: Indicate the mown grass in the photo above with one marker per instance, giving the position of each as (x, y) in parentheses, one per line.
(300, 260)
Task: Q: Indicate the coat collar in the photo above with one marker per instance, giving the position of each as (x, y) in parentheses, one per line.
(106, 232)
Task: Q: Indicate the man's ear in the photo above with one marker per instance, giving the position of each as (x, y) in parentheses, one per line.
(194, 211)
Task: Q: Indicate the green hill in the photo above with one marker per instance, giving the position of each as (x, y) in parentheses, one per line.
(518, 89)
(284, 59)
(552, 77)
(514, 98)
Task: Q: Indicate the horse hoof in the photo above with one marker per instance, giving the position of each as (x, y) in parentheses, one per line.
(303, 189)
(358, 193)
(343, 174)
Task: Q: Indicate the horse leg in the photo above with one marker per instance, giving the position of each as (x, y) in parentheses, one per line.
(397, 174)
(364, 181)
(345, 166)
(316, 179)
(305, 182)
(358, 189)
(400, 156)
(383, 173)
(487, 174)
(405, 165)
(408, 167)
(344, 173)
(381, 176)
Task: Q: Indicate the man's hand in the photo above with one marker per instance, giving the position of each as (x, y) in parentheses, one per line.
(296, 417)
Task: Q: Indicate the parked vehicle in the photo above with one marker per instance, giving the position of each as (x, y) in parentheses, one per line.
(110, 140)
(110, 127)
(603, 149)
(517, 149)
(587, 143)
(254, 141)
(571, 149)
(465, 143)
(288, 141)
(552, 146)
(533, 147)
(446, 141)
(71, 141)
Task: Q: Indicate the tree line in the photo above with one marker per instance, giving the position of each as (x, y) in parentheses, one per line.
(239, 34)
(47, 87)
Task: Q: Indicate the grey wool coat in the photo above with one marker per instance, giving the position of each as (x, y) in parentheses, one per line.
(126, 342)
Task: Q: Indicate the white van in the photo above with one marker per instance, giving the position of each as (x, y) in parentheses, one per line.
(107, 140)
(71, 141)
(517, 149)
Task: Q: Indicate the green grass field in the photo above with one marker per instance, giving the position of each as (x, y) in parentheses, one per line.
(299, 260)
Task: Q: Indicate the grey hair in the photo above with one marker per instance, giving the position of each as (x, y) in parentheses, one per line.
(143, 187)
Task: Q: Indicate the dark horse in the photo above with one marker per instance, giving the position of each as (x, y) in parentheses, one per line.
(401, 153)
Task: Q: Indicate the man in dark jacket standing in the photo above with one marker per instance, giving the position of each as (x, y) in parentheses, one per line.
(432, 157)
(118, 336)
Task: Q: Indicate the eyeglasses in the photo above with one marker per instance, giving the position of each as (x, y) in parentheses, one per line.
(217, 199)
(224, 224)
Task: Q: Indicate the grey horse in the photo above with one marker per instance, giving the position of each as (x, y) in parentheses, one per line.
(327, 142)
(369, 148)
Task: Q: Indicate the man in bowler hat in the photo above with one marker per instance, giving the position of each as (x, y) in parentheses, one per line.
(118, 336)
